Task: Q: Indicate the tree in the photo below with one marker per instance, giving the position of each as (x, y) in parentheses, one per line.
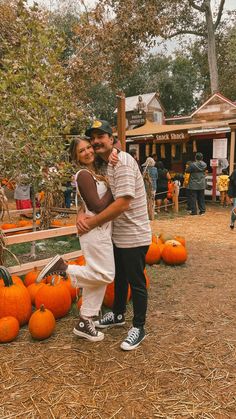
(37, 102)
(169, 19)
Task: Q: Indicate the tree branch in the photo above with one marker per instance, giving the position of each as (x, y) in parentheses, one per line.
(183, 32)
(220, 11)
(195, 6)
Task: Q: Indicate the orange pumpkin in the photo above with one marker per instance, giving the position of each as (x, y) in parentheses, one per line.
(14, 299)
(33, 289)
(8, 226)
(31, 277)
(57, 223)
(174, 253)
(15, 279)
(42, 324)
(164, 237)
(24, 223)
(110, 293)
(153, 254)
(180, 239)
(9, 329)
(73, 291)
(55, 297)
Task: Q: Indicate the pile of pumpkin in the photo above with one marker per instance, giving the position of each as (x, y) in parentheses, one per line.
(171, 251)
(52, 299)
(18, 224)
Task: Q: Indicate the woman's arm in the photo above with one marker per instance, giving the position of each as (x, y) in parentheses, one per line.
(88, 190)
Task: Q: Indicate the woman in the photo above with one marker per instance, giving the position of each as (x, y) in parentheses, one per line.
(96, 245)
(162, 186)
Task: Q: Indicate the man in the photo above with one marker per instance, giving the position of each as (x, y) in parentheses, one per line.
(131, 233)
(197, 184)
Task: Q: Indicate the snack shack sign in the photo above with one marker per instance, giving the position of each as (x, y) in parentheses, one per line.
(171, 136)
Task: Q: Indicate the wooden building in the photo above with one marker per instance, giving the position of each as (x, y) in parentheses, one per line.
(210, 129)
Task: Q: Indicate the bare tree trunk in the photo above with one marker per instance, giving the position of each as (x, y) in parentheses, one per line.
(212, 61)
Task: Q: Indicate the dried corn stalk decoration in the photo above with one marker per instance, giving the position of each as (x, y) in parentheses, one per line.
(184, 149)
(194, 146)
(147, 153)
(173, 150)
(163, 151)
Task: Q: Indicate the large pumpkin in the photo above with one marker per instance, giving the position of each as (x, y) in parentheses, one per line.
(31, 277)
(9, 329)
(174, 253)
(55, 297)
(153, 254)
(33, 289)
(74, 292)
(15, 280)
(110, 293)
(14, 299)
(42, 323)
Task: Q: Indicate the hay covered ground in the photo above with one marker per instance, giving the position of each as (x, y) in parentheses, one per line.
(185, 368)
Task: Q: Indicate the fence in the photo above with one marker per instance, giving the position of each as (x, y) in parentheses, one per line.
(34, 236)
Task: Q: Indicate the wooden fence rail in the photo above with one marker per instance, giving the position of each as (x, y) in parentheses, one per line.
(39, 235)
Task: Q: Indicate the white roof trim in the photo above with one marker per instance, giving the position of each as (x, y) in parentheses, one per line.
(210, 98)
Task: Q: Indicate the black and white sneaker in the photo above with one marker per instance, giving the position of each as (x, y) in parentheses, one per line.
(110, 320)
(55, 266)
(232, 226)
(134, 338)
(85, 328)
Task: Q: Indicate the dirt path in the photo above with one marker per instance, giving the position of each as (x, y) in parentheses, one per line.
(186, 367)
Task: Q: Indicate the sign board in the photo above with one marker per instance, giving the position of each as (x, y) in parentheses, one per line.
(220, 148)
(214, 162)
(209, 186)
(137, 118)
(171, 136)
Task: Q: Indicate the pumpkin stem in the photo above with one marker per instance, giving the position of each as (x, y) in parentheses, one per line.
(7, 279)
(42, 308)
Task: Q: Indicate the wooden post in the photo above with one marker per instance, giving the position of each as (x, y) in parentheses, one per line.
(214, 183)
(175, 198)
(232, 149)
(121, 120)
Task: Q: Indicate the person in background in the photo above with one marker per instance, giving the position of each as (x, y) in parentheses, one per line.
(149, 167)
(22, 195)
(197, 184)
(150, 176)
(162, 186)
(223, 186)
(186, 186)
(155, 158)
(232, 194)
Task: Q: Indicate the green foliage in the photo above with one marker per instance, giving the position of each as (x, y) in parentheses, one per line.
(37, 103)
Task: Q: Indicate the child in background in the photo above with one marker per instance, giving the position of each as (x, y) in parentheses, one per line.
(223, 186)
(186, 186)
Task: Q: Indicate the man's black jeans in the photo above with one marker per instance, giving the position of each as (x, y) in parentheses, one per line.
(130, 264)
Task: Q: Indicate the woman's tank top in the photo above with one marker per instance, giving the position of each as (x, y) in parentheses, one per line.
(101, 190)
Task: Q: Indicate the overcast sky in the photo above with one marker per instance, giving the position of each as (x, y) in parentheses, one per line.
(229, 4)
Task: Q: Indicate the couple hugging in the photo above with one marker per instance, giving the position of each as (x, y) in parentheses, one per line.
(114, 233)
